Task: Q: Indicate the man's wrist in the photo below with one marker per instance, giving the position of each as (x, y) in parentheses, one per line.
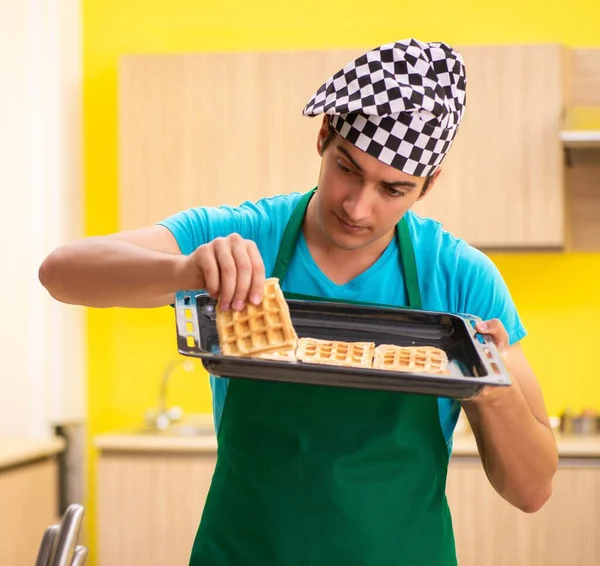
(494, 398)
(185, 273)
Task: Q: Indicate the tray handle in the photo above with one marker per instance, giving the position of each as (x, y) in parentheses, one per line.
(490, 353)
(194, 310)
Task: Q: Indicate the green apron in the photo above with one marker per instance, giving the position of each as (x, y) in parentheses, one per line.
(310, 475)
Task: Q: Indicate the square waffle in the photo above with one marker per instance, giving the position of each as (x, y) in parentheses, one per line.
(349, 354)
(415, 359)
(257, 329)
(278, 355)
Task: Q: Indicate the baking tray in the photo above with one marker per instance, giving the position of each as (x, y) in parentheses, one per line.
(474, 360)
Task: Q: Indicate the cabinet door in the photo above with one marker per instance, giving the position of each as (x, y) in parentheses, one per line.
(28, 506)
(502, 183)
(149, 507)
(210, 129)
(488, 530)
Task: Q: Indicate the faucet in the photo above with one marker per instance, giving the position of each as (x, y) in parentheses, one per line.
(163, 417)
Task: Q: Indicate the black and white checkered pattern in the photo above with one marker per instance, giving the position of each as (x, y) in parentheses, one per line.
(401, 103)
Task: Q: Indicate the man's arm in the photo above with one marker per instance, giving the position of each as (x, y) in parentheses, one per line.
(516, 444)
(144, 268)
(211, 248)
(138, 268)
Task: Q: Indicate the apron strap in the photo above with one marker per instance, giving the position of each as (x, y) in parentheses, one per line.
(290, 237)
(408, 263)
(292, 231)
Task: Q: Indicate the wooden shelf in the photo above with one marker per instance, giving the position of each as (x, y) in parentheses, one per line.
(581, 127)
(580, 138)
(582, 180)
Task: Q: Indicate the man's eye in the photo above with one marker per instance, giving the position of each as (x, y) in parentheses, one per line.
(344, 169)
(394, 192)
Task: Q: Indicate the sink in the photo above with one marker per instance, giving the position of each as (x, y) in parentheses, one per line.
(179, 429)
(189, 425)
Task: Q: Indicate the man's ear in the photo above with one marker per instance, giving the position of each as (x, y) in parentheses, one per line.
(430, 183)
(323, 133)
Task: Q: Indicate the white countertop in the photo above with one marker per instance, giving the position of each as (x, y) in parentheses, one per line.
(464, 444)
(17, 451)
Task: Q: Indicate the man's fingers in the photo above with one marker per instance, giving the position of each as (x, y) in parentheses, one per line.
(243, 267)
(207, 263)
(233, 271)
(496, 330)
(227, 272)
(258, 274)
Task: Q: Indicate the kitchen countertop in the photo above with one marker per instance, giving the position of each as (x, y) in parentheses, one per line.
(127, 441)
(569, 446)
(18, 451)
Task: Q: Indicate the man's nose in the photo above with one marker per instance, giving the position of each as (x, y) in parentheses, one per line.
(358, 206)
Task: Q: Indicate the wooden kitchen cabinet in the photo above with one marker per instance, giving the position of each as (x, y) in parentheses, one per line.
(29, 497)
(222, 128)
(502, 184)
(489, 531)
(151, 493)
(150, 504)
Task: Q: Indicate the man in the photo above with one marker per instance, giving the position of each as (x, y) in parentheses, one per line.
(322, 475)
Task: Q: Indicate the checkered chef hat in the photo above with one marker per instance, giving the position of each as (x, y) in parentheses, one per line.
(401, 102)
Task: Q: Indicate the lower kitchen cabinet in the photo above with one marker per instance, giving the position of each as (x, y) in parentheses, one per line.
(149, 507)
(29, 497)
(490, 532)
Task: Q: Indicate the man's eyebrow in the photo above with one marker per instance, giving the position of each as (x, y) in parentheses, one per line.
(404, 184)
(349, 157)
(391, 184)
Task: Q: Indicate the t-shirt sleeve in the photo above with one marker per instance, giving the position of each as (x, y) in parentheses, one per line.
(197, 226)
(483, 292)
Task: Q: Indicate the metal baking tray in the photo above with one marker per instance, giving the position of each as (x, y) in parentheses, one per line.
(474, 360)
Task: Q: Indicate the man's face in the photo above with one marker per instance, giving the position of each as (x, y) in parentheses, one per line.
(360, 199)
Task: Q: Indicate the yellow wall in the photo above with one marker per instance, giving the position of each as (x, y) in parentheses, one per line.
(557, 295)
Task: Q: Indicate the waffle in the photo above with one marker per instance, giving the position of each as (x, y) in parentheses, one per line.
(278, 355)
(349, 354)
(257, 329)
(415, 359)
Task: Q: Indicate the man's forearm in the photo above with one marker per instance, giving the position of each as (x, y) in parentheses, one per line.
(518, 452)
(108, 272)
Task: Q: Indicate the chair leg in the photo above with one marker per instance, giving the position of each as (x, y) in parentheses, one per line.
(81, 553)
(68, 535)
(47, 546)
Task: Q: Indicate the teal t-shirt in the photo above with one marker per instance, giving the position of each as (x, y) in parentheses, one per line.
(453, 276)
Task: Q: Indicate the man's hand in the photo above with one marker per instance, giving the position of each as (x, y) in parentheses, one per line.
(232, 270)
(495, 329)
(512, 430)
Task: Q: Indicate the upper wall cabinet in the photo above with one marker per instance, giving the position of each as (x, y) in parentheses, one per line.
(502, 184)
(210, 129)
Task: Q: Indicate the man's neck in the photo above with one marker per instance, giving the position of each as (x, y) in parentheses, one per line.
(338, 264)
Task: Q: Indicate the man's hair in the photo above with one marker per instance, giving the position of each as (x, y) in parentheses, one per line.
(331, 133)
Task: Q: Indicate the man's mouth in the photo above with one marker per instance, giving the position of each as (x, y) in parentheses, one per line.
(349, 226)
